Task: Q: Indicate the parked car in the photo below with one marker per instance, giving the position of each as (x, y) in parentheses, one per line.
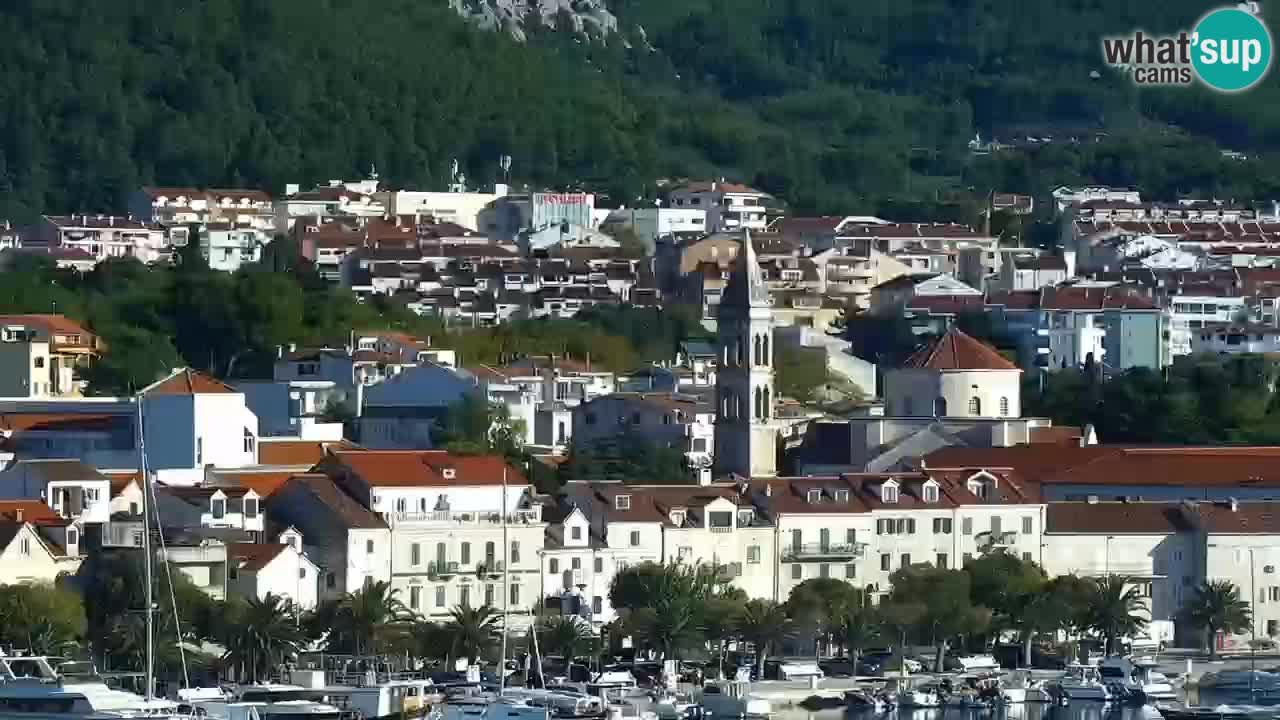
(838, 668)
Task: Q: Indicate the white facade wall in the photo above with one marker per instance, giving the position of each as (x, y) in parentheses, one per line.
(413, 503)
(915, 392)
(368, 559)
(462, 208)
(1249, 562)
(290, 575)
(26, 560)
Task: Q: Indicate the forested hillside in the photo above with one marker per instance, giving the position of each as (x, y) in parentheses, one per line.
(832, 104)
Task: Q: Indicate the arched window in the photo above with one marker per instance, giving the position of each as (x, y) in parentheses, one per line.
(940, 407)
(758, 403)
(765, 358)
(727, 401)
(975, 406)
(1004, 407)
(766, 410)
(755, 350)
(739, 353)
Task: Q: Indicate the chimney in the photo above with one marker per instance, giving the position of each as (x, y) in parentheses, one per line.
(1235, 505)
(768, 490)
(17, 515)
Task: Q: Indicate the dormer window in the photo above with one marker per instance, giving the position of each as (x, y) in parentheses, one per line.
(814, 496)
(980, 488)
(745, 517)
(677, 518)
(889, 493)
(841, 495)
(218, 507)
(449, 473)
(622, 502)
(930, 492)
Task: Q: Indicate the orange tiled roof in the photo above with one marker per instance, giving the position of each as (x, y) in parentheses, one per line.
(956, 350)
(189, 382)
(424, 468)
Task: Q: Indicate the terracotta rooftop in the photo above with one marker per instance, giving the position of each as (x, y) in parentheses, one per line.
(422, 468)
(1247, 518)
(31, 511)
(186, 381)
(262, 482)
(255, 556)
(62, 422)
(1120, 518)
(344, 508)
(955, 350)
(298, 452)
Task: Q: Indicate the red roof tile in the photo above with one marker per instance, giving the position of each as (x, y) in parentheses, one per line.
(1138, 518)
(189, 382)
(255, 556)
(423, 468)
(31, 511)
(956, 350)
(298, 452)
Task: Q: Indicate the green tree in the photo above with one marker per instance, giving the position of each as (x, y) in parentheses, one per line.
(473, 631)
(819, 605)
(945, 596)
(1005, 584)
(860, 627)
(799, 372)
(1217, 607)
(1115, 609)
(565, 635)
(42, 618)
(260, 634)
(667, 605)
(765, 625)
(363, 622)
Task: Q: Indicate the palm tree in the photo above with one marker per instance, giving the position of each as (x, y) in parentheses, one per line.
(1217, 606)
(765, 625)
(365, 621)
(262, 634)
(564, 635)
(427, 640)
(472, 631)
(1115, 609)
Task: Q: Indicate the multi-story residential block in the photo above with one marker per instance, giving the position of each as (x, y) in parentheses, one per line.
(1191, 312)
(649, 224)
(1032, 272)
(460, 527)
(192, 421)
(100, 236)
(729, 206)
(463, 208)
(337, 200)
(225, 246)
(1064, 197)
(1236, 338)
(176, 206)
(893, 296)
(673, 420)
(41, 355)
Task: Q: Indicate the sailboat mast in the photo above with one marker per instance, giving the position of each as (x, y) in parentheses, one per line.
(148, 654)
(506, 584)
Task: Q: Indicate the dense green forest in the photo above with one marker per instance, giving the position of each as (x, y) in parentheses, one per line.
(833, 105)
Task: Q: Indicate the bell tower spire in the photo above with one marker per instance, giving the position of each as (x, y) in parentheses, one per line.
(746, 438)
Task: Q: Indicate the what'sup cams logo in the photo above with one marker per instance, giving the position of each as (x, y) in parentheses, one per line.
(1228, 50)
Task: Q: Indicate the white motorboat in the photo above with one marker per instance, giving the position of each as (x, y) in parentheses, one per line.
(272, 701)
(30, 689)
(876, 701)
(1017, 688)
(1218, 712)
(920, 697)
(1139, 676)
(470, 702)
(1239, 680)
(561, 702)
(1083, 683)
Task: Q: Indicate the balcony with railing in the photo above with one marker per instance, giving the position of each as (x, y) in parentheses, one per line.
(454, 517)
(442, 570)
(816, 552)
(489, 568)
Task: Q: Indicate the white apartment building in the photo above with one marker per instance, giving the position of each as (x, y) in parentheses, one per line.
(192, 421)
(461, 208)
(338, 199)
(673, 420)
(1065, 197)
(578, 563)
(1191, 313)
(40, 355)
(1235, 338)
(447, 518)
(100, 236)
(228, 247)
(728, 206)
